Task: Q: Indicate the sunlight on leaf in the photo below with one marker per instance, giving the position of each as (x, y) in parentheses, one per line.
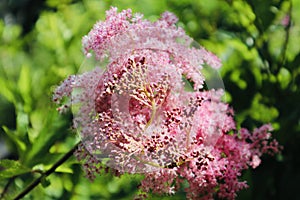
(11, 168)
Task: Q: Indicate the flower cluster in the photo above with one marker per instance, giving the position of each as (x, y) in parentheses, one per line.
(137, 115)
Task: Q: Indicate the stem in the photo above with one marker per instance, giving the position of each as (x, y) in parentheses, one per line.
(152, 115)
(6, 187)
(46, 173)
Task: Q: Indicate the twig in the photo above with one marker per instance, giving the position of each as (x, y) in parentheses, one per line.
(46, 173)
(6, 187)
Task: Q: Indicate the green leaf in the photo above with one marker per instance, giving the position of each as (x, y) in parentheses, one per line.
(24, 86)
(12, 135)
(64, 169)
(45, 182)
(52, 131)
(11, 168)
(6, 90)
(284, 77)
(261, 112)
(22, 121)
(264, 19)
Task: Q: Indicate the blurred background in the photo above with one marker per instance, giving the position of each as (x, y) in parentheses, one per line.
(258, 42)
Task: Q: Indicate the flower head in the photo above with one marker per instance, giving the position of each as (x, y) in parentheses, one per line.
(137, 116)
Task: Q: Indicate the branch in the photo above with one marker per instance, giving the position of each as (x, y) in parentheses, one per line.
(6, 187)
(46, 173)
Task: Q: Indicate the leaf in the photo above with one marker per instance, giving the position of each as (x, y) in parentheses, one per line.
(52, 132)
(24, 86)
(11, 168)
(6, 90)
(284, 77)
(22, 121)
(64, 169)
(45, 182)
(264, 19)
(11, 134)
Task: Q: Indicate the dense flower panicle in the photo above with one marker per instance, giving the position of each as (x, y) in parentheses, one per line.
(121, 35)
(137, 115)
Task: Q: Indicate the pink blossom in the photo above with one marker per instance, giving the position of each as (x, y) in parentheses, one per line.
(136, 116)
(286, 20)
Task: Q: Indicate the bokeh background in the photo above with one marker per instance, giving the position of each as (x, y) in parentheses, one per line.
(258, 42)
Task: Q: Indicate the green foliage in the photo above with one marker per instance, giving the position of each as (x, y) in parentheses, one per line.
(261, 67)
(11, 168)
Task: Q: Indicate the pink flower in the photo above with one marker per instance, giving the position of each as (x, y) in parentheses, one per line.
(285, 21)
(255, 161)
(136, 115)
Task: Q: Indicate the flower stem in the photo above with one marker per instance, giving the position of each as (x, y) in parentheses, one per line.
(46, 173)
(152, 115)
